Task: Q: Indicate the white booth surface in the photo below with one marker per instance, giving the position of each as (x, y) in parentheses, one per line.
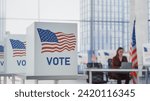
(52, 49)
(15, 54)
(104, 55)
(146, 54)
(1, 57)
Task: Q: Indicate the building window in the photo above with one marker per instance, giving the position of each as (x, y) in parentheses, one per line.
(108, 22)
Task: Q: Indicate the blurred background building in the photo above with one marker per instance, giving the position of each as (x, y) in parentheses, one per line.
(104, 24)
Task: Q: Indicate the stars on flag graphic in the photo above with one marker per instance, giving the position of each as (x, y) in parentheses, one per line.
(19, 48)
(1, 52)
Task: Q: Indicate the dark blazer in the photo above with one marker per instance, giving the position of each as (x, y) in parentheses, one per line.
(116, 63)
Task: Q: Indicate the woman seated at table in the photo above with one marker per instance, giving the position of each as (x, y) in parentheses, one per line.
(116, 63)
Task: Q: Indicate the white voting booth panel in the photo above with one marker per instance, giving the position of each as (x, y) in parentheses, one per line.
(52, 49)
(1, 57)
(104, 55)
(15, 54)
(146, 54)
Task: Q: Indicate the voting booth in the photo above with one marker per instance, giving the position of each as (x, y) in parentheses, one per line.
(15, 54)
(104, 55)
(52, 48)
(1, 57)
(82, 61)
(146, 54)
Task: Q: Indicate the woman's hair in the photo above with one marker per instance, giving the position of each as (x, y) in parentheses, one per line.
(120, 48)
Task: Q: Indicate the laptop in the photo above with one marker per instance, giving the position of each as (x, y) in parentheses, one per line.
(126, 65)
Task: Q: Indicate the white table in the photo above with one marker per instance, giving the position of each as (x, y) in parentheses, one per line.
(90, 70)
(49, 77)
(5, 75)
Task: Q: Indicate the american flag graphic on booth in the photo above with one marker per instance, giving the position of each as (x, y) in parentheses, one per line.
(1, 52)
(19, 48)
(56, 41)
(106, 53)
(145, 49)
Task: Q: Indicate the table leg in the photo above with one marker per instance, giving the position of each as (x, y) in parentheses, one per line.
(5, 80)
(147, 76)
(90, 77)
(138, 78)
(13, 79)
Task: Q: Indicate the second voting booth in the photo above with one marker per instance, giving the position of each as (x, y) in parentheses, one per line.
(146, 54)
(52, 49)
(15, 53)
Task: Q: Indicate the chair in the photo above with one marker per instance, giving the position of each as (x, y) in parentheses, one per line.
(110, 78)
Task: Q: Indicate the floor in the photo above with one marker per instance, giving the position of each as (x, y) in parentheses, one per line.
(18, 81)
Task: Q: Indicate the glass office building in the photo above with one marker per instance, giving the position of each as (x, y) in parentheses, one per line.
(104, 24)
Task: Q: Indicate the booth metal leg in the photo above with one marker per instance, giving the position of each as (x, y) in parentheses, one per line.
(90, 77)
(36, 81)
(22, 81)
(13, 79)
(0, 80)
(56, 81)
(138, 78)
(5, 79)
(147, 76)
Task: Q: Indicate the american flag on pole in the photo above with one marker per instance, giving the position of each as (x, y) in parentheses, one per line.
(19, 48)
(133, 54)
(56, 41)
(1, 52)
